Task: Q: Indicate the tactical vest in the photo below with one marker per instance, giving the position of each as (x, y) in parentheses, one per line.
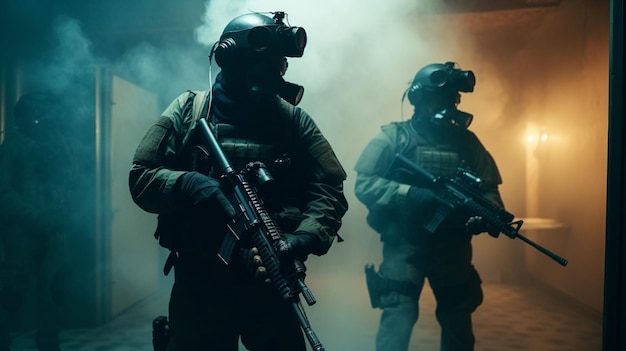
(269, 143)
(251, 142)
(440, 159)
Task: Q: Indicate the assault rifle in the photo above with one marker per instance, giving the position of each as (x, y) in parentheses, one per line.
(253, 224)
(462, 192)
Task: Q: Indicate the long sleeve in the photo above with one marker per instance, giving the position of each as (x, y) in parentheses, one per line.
(324, 202)
(371, 187)
(153, 175)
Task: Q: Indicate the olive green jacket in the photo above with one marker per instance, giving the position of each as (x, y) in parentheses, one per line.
(318, 180)
(386, 199)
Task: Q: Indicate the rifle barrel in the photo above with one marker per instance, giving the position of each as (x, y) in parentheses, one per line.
(560, 260)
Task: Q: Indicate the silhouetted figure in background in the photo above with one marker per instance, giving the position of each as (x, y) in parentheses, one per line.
(252, 111)
(437, 139)
(39, 183)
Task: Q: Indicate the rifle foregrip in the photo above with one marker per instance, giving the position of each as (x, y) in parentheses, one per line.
(272, 263)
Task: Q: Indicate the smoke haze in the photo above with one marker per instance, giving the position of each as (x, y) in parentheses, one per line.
(539, 67)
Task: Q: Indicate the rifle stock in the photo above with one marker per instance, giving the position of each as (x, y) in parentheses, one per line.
(253, 223)
(461, 192)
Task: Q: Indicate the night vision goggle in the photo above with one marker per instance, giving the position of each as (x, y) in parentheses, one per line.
(260, 34)
(446, 76)
(438, 78)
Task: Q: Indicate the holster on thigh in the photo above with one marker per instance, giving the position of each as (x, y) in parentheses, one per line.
(378, 286)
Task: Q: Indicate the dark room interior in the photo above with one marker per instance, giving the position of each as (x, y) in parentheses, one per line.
(548, 104)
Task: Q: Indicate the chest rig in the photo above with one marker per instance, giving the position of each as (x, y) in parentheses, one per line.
(256, 140)
(244, 144)
(441, 158)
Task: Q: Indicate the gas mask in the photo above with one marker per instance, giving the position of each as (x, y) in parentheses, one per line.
(453, 116)
(446, 113)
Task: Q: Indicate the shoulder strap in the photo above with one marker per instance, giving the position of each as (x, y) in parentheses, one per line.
(199, 102)
(196, 111)
(406, 139)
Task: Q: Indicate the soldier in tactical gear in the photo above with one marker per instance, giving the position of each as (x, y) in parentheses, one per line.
(253, 110)
(436, 138)
(40, 184)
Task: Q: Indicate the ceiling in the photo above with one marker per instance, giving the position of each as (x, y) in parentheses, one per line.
(25, 25)
(112, 27)
(493, 5)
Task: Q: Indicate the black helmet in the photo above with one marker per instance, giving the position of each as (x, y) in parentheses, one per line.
(440, 84)
(256, 33)
(438, 78)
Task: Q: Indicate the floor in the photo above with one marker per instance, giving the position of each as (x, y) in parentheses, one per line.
(511, 318)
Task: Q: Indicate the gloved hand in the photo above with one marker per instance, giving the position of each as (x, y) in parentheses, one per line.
(299, 245)
(204, 193)
(422, 197)
(253, 263)
(476, 225)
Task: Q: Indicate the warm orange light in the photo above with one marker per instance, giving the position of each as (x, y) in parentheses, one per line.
(537, 138)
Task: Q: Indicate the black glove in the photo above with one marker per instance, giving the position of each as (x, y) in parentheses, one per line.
(476, 225)
(299, 245)
(423, 197)
(253, 263)
(204, 193)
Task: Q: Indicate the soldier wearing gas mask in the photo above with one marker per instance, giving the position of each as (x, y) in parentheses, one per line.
(437, 139)
(252, 109)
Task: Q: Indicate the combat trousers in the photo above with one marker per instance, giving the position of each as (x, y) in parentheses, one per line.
(456, 287)
(212, 306)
